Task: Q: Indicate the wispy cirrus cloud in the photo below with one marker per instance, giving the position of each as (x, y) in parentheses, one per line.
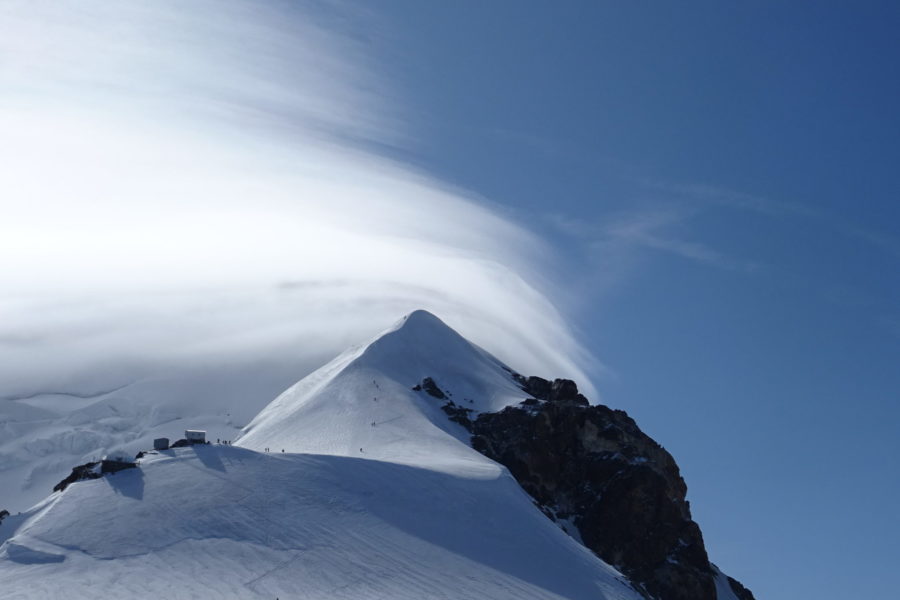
(654, 231)
(716, 196)
(617, 241)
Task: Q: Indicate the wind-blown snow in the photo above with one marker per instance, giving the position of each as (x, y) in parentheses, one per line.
(416, 514)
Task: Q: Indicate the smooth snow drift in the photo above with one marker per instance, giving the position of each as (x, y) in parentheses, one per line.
(235, 523)
(376, 495)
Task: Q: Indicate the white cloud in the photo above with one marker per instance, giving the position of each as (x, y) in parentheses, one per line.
(187, 182)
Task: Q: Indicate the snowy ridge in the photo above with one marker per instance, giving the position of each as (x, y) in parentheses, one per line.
(416, 514)
(332, 411)
(243, 524)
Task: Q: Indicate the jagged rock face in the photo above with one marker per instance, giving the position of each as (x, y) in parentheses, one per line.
(594, 467)
(560, 390)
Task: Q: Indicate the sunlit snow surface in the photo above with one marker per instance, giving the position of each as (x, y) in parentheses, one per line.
(332, 411)
(399, 509)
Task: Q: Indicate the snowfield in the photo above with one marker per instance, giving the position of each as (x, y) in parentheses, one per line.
(237, 523)
(44, 435)
(376, 494)
(349, 485)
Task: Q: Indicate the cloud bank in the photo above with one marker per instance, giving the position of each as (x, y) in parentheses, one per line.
(200, 184)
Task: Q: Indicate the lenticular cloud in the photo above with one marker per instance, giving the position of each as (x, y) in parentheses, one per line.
(187, 185)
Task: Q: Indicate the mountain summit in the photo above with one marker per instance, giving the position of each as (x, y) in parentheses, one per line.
(362, 402)
(360, 481)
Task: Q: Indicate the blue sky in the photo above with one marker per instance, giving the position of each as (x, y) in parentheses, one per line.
(721, 179)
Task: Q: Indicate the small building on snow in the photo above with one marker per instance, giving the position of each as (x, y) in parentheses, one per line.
(195, 436)
(161, 444)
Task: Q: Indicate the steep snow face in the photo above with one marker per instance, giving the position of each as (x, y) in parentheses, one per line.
(362, 403)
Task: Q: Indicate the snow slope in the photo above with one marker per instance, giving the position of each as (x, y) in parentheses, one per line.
(332, 410)
(236, 523)
(45, 433)
(400, 509)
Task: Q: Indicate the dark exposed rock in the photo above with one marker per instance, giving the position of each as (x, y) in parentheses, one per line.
(559, 390)
(79, 473)
(458, 414)
(3, 515)
(431, 388)
(593, 466)
(536, 386)
(93, 470)
(114, 466)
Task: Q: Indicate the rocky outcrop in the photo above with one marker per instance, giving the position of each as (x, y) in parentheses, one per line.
(430, 387)
(3, 515)
(80, 473)
(93, 470)
(592, 469)
(456, 413)
(560, 391)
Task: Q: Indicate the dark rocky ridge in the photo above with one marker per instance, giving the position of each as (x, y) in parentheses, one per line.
(107, 466)
(593, 467)
(93, 470)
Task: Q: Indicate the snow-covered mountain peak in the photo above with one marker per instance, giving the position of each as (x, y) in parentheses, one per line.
(381, 475)
(351, 484)
(418, 334)
(421, 321)
(421, 345)
(363, 403)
